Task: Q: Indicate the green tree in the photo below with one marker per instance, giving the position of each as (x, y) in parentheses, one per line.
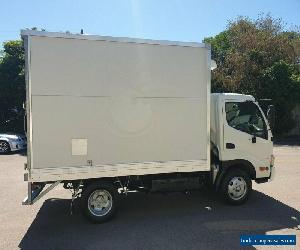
(12, 80)
(259, 57)
(281, 82)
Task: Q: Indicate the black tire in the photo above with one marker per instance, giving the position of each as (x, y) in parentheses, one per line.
(236, 195)
(100, 190)
(4, 147)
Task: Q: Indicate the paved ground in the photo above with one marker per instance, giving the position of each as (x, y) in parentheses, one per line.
(174, 221)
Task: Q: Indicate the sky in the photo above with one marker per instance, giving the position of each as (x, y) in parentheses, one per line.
(176, 20)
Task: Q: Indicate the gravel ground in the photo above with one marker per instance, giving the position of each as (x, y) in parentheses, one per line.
(156, 221)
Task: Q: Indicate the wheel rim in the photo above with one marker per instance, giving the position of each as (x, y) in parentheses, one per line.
(3, 146)
(237, 188)
(100, 202)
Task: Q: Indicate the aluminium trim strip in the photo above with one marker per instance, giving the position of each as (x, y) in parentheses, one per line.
(112, 39)
(28, 102)
(87, 172)
(208, 103)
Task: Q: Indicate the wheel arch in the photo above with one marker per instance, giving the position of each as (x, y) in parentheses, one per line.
(110, 180)
(5, 140)
(241, 164)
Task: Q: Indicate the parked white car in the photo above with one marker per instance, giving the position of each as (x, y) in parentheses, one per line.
(12, 142)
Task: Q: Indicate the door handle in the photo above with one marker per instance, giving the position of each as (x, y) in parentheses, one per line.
(253, 139)
(230, 145)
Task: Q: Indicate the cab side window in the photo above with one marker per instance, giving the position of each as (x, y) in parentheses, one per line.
(246, 117)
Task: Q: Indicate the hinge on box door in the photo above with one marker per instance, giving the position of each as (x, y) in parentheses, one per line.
(25, 166)
(90, 162)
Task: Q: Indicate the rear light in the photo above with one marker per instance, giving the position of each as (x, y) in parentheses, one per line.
(272, 161)
(263, 168)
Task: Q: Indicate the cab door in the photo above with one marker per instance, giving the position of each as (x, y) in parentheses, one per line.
(246, 135)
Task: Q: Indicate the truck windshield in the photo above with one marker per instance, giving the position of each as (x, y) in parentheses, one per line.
(246, 117)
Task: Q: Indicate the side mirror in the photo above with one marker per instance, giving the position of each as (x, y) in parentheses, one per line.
(271, 116)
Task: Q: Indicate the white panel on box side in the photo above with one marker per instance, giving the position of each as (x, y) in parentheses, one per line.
(131, 103)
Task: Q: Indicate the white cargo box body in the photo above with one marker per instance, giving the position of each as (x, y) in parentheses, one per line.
(105, 107)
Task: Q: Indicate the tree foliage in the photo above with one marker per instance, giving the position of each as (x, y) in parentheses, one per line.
(12, 87)
(12, 83)
(259, 57)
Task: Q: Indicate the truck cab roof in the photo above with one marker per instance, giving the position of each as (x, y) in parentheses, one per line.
(234, 96)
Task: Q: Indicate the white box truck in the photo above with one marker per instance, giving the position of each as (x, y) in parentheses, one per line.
(107, 115)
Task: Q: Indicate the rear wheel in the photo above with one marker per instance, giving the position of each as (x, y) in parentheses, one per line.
(236, 187)
(99, 201)
(4, 147)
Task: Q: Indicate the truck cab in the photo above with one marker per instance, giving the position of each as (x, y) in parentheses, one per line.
(241, 137)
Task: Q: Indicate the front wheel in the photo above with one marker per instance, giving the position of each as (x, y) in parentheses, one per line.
(236, 187)
(4, 147)
(99, 201)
